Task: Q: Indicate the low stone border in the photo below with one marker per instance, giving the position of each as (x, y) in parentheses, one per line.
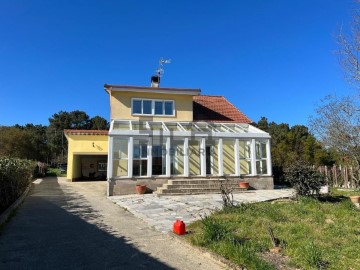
(4, 216)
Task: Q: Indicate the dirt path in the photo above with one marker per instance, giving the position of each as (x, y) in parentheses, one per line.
(65, 225)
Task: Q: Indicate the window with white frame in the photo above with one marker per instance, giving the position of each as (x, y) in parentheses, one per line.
(152, 107)
(261, 157)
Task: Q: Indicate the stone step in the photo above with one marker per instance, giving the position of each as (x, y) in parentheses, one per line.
(200, 181)
(166, 191)
(203, 185)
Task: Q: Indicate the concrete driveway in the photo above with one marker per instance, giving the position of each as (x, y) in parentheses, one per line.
(64, 225)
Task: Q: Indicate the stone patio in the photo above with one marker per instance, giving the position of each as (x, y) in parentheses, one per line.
(161, 212)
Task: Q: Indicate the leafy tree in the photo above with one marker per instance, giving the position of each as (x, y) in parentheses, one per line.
(99, 123)
(16, 142)
(69, 120)
(291, 144)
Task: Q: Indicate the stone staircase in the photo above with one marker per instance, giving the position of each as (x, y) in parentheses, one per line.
(187, 186)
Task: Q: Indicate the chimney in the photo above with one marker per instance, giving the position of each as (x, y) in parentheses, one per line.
(155, 81)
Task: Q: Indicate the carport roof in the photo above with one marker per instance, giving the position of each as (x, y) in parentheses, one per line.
(86, 132)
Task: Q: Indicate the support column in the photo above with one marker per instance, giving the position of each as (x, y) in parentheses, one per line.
(130, 156)
(268, 157)
(220, 157)
(110, 164)
(110, 158)
(186, 157)
(202, 157)
(253, 157)
(236, 156)
(168, 160)
(149, 156)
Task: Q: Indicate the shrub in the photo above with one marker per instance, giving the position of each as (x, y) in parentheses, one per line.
(15, 176)
(306, 180)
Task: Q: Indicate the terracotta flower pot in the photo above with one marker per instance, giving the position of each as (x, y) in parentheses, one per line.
(140, 189)
(355, 199)
(244, 185)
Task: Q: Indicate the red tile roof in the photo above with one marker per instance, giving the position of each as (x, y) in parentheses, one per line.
(85, 132)
(217, 109)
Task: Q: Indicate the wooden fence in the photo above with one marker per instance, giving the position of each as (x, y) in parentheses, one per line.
(341, 176)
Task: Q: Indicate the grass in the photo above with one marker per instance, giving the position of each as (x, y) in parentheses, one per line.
(55, 172)
(314, 234)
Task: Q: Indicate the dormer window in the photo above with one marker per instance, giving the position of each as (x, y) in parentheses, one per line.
(155, 107)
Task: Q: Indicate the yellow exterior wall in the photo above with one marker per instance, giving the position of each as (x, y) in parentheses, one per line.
(228, 157)
(83, 145)
(120, 106)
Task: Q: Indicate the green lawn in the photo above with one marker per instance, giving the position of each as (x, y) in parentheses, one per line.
(55, 172)
(313, 234)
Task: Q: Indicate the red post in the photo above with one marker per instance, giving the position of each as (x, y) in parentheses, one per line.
(179, 227)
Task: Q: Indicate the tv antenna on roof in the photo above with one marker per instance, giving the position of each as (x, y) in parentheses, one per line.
(160, 70)
(155, 79)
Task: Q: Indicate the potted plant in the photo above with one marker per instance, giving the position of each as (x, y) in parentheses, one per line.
(140, 189)
(244, 185)
(355, 199)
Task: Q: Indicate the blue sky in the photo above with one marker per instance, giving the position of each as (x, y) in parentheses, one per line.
(273, 58)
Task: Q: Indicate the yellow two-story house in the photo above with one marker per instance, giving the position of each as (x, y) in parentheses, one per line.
(160, 134)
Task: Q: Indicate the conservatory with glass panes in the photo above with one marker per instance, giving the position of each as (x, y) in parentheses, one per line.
(148, 149)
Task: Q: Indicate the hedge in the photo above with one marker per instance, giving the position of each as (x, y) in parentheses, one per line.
(15, 176)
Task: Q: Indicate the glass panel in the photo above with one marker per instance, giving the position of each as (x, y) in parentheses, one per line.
(261, 167)
(208, 159)
(120, 148)
(203, 127)
(172, 127)
(189, 127)
(257, 150)
(143, 148)
(136, 106)
(159, 108)
(194, 157)
(120, 167)
(169, 108)
(245, 166)
(121, 126)
(263, 149)
(177, 157)
(244, 149)
(147, 107)
(136, 168)
(159, 160)
(138, 125)
(143, 167)
(228, 157)
(156, 126)
(260, 150)
(136, 151)
(241, 129)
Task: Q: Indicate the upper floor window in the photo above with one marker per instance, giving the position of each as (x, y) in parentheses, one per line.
(153, 107)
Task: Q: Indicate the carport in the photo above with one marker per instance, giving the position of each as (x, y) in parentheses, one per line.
(87, 154)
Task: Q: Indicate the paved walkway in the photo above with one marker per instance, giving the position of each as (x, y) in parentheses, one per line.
(161, 212)
(64, 225)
